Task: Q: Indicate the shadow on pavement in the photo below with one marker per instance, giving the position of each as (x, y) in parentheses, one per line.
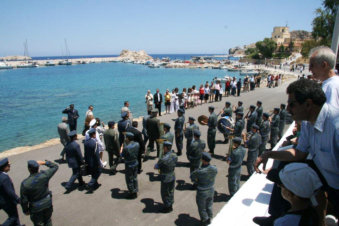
(244, 177)
(152, 177)
(186, 220)
(219, 157)
(221, 197)
(151, 206)
(183, 186)
(60, 161)
(118, 194)
(183, 164)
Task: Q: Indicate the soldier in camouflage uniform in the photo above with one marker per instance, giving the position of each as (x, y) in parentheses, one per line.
(265, 129)
(166, 167)
(204, 177)
(178, 128)
(282, 122)
(188, 132)
(130, 154)
(275, 127)
(36, 198)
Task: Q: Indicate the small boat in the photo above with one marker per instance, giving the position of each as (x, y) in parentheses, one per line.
(249, 72)
(27, 65)
(154, 65)
(49, 63)
(65, 62)
(3, 65)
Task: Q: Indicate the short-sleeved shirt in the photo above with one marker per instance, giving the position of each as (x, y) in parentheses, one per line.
(288, 219)
(331, 89)
(321, 141)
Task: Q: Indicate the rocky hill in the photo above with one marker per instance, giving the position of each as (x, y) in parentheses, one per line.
(134, 55)
(300, 34)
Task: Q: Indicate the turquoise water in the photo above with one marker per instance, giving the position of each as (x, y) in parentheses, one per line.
(31, 100)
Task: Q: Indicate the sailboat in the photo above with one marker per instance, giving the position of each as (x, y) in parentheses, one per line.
(27, 64)
(66, 61)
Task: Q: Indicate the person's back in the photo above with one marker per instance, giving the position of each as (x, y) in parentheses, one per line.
(63, 131)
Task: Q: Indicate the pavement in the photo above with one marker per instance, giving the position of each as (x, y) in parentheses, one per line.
(108, 206)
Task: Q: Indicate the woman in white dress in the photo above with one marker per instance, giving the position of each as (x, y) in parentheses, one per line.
(172, 101)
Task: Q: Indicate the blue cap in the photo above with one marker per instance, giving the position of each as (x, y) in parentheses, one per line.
(3, 162)
(240, 113)
(167, 144)
(181, 110)
(32, 164)
(111, 123)
(277, 109)
(197, 133)
(283, 105)
(239, 102)
(206, 156)
(124, 114)
(72, 133)
(252, 106)
(254, 126)
(91, 130)
(166, 125)
(211, 107)
(259, 102)
(266, 115)
(129, 135)
(237, 140)
(191, 118)
(228, 103)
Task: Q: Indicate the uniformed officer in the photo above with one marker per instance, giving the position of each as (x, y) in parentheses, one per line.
(111, 138)
(259, 111)
(227, 111)
(235, 162)
(195, 151)
(282, 115)
(8, 198)
(123, 124)
(239, 125)
(275, 127)
(179, 127)
(153, 130)
(188, 132)
(166, 167)
(265, 129)
(204, 177)
(240, 108)
(168, 135)
(138, 138)
(36, 198)
(74, 159)
(144, 130)
(211, 132)
(253, 142)
(251, 119)
(130, 152)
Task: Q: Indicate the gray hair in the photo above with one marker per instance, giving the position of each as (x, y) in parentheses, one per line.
(323, 53)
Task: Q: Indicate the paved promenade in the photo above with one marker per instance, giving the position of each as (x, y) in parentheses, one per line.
(107, 206)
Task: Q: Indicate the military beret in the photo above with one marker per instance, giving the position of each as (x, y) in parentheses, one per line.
(3, 162)
(129, 135)
(277, 109)
(266, 115)
(240, 113)
(228, 103)
(155, 111)
(197, 133)
(259, 102)
(111, 123)
(239, 102)
(167, 144)
(124, 114)
(211, 107)
(181, 110)
(191, 118)
(91, 131)
(237, 140)
(252, 106)
(254, 126)
(92, 122)
(32, 164)
(72, 133)
(283, 105)
(166, 125)
(206, 156)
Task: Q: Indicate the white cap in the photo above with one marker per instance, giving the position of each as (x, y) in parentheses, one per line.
(92, 122)
(301, 179)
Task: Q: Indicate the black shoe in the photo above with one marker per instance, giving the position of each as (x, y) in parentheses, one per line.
(132, 196)
(264, 221)
(194, 187)
(179, 153)
(205, 223)
(140, 171)
(166, 209)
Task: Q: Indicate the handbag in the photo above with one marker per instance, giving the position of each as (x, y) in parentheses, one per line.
(84, 169)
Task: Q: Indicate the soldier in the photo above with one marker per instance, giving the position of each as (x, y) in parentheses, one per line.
(36, 198)
(63, 130)
(227, 111)
(129, 151)
(251, 119)
(166, 167)
(92, 158)
(138, 138)
(275, 127)
(239, 125)
(235, 162)
(8, 198)
(168, 135)
(282, 121)
(123, 124)
(73, 116)
(195, 151)
(240, 108)
(212, 124)
(189, 132)
(75, 160)
(111, 138)
(205, 177)
(153, 130)
(178, 127)
(253, 142)
(265, 129)
(259, 111)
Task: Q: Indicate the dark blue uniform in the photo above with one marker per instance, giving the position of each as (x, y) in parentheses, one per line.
(92, 158)
(179, 135)
(122, 127)
(75, 160)
(130, 153)
(73, 116)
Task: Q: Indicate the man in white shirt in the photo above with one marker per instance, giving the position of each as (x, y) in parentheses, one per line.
(125, 108)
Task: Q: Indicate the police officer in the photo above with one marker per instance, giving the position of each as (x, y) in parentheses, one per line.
(265, 129)
(239, 125)
(111, 138)
(195, 151)
(8, 198)
(130, 152)
(212, 124)
(252, 118)
(36, 199)
(204, 177)
(123, 124)
(259, 111)
(74, 159)
(168, 135)
(235, 162)
(253, 143)
(240, 108)
(92, 159)
(178, 127)
(166, 167)
(282, 115)
(275, 127)
(189, 131)
(153, 130)
(227, 111)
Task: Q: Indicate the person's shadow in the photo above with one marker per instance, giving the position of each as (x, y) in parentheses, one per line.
(183, 186)
(151, 206)
(182, 164)
(152, 177)
(116, 193)
(220, 197)
(185, 219)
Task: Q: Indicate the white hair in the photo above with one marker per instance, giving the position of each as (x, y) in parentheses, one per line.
(323, 53)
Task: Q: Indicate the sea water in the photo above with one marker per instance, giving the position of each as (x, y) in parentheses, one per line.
(32, 99)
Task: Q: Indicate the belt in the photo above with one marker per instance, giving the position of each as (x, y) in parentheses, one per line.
(39, 202)
(204, 188)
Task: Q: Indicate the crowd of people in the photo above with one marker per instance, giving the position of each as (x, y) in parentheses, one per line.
(303, 185)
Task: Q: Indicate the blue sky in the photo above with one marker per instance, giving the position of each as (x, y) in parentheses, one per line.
(157, 26)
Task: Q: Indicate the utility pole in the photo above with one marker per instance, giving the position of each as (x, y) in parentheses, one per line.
(335, 36)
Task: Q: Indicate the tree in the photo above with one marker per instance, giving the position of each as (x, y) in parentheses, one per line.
(266, 47)
(291, 46)
(307, 46)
